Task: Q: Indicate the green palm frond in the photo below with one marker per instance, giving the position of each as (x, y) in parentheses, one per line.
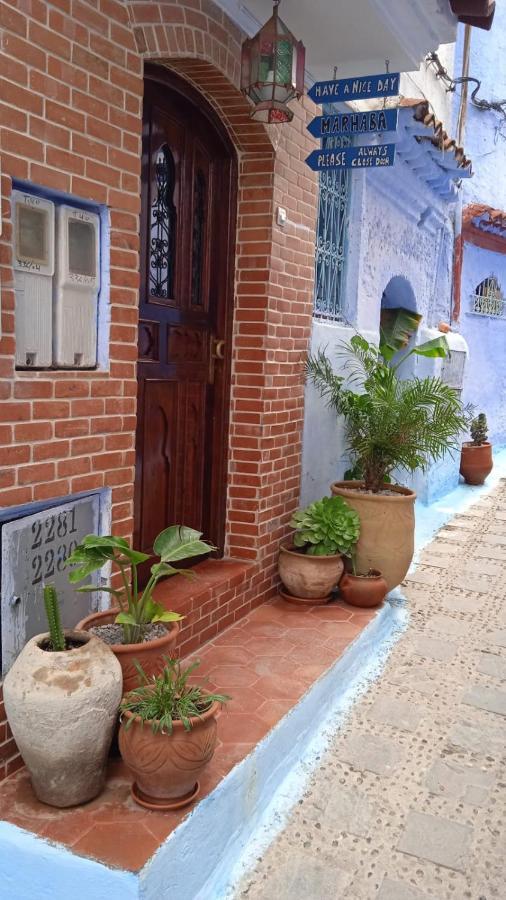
(390, 423)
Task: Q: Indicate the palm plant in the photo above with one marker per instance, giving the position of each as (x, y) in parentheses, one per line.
(390, 422)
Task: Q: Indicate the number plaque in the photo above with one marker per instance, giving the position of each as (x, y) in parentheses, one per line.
(34, 552)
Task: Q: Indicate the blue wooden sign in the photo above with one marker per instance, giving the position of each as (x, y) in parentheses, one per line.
(365, 87)
(374, 120)
(373, 157)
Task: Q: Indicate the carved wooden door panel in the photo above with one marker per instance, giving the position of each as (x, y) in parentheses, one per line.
(185, 310)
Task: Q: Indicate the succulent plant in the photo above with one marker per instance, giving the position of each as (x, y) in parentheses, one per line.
(325, 527)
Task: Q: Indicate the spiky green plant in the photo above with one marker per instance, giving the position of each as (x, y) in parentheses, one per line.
(164, 698)
(390, 422)
(56, 634)
(479, 430)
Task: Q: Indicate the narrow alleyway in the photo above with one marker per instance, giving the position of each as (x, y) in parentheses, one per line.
(409, 803)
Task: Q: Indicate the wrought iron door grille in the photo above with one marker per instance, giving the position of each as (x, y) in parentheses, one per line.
(331, 235)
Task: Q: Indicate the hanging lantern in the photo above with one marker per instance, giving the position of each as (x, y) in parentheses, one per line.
(272, 70)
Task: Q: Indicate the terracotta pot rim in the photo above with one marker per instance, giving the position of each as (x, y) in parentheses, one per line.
(288, 547)
(172, 629)
(351, 488)
(176, 723)
(468, 445)
(361, 578)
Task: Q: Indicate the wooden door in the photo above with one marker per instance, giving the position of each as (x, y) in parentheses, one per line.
(186, 300)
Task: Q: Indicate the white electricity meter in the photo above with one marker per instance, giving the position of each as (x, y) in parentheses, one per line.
(33, 263)
(77, 283)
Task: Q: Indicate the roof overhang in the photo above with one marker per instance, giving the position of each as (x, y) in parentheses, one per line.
(484, 227)
(478, 13)
(424, 145)
(357, 36)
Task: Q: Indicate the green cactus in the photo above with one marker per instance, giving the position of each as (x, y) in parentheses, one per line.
(53, 618)
(479, 428)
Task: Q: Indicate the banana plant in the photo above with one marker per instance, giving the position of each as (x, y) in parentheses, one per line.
(397, 328)
(138, 609)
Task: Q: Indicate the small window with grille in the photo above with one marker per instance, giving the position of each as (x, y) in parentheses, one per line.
(331, 235)
(488, 299)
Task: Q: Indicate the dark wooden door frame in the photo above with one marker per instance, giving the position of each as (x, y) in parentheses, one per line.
(217, 461)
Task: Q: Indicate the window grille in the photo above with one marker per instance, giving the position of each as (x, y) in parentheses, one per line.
(331, 235)
(488, 300)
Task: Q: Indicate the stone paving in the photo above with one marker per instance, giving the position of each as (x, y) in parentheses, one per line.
(409, 801)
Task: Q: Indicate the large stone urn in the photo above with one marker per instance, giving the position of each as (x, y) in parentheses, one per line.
(62, 708)
(387, 528)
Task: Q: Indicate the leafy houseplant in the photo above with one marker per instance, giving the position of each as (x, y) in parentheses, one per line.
(172, 723)
(312, 566)
(62, 696)
(476, 461)
(136, 608)
(391, 423)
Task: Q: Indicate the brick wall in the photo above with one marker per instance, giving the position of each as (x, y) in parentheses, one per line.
(70, 120)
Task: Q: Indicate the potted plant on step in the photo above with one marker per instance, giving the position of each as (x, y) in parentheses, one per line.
(137, 628)
(362, 589)
(168, 735)
(311, 564)
(476, 456)
(62, 696)
(391, 424)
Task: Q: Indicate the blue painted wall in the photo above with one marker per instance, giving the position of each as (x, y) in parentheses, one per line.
(400, 252)
(485, 144)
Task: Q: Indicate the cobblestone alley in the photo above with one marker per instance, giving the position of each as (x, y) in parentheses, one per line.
(409, 802)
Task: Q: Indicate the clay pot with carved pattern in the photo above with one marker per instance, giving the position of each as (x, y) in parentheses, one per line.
(149, 654)
(167, 767)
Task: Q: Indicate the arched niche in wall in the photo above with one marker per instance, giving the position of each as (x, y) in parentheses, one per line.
(399, 304)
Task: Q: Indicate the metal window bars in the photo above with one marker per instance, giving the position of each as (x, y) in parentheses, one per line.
(331, 235)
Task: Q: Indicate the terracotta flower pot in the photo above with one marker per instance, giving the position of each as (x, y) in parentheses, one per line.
(166, 767)
(308, 577)
(365, 591)
(476, 462)
(387, 528)
(62, 708)
(149, 654)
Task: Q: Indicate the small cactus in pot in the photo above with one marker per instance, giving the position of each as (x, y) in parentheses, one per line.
(476, 461)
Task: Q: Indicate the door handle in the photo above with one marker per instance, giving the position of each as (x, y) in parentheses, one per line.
(217, 348)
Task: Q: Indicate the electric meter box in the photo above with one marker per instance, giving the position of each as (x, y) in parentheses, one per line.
(33, 263)
(77, 283)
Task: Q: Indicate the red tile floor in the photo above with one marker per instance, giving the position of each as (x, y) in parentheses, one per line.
(266, 662)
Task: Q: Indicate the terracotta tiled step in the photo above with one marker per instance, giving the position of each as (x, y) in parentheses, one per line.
(266, 662)
(222, 592)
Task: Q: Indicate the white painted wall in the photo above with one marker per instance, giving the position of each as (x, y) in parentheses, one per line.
(424, 84)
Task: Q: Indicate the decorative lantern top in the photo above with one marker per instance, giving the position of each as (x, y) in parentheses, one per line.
(273, 70)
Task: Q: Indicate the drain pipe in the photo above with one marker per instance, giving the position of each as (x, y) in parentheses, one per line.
(459, 240)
